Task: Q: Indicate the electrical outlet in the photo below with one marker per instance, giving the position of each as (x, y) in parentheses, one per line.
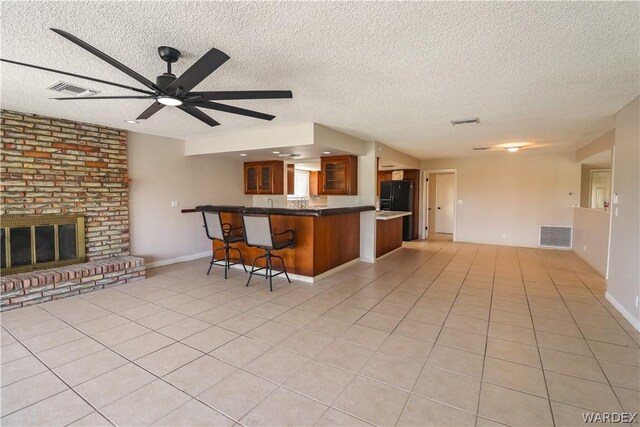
(174, 203)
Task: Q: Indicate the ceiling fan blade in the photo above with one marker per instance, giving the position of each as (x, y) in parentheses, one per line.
(154, 108)
(204, 66)
(128, 71)
(37, 67)
(233, 110)
(243, 94)
(104, 97)
(193, 111)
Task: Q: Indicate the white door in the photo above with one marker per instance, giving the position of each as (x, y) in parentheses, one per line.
(445, 194)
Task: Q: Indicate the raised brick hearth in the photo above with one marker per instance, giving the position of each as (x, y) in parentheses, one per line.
(34, 287)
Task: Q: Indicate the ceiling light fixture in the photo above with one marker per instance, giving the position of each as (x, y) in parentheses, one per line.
(513, 149)
(170, 101)
(275, 152)
(133, 122)
(326, 152)
(243, 155)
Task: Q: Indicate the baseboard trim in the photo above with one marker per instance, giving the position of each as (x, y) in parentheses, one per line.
(391, 252)
(309, 279)
(178, 259)
(630, 318)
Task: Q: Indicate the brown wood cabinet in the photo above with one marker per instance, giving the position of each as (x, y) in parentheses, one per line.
(383, 176)
(264, 177)
(291, 179)
(314, 183)
(339, 175)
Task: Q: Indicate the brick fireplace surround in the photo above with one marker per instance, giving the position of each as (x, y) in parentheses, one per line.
(55, 166)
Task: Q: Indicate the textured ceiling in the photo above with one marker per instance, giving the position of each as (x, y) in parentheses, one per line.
(552, 73)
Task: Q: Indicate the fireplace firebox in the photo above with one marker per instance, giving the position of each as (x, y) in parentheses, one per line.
(38, 242)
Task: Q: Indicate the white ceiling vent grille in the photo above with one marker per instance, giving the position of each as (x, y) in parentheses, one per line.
(72, 90)
(552, 236)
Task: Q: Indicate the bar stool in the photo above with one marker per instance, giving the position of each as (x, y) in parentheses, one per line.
(223, 232)
(258, 233)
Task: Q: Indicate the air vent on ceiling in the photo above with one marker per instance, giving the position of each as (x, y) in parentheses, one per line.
(72, 90)
(481, 148)
(556, 236)
(465, 121)
(292, 156)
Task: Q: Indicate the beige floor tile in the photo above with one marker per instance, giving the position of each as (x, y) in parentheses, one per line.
(391, 309)
(513, 407)
(619, 337)
(436, 318)
(622, 375)
(421, 412)
(35, 329)
(345, 313)
(20, 369)
(28, 391)
(284, 408)
(568, 416)
(217, 314)
(328, 326)
(168, 359)
(11, 352)
(571, 364)
(276, 365)
(383, 322)
(194, 307)
(237, 394)
(372, 401)
(94, 419)
(345, 355)
(305, 343)
(512, 333)
(240, 351)
(479, 313)
(420, 330)
(454, 360)
(563, 343)
(242, 323)
(335, 418)
(194, 413)
(210, 339)
(315, 306)
(462, 340)
(513, 319)
(119, 334)
(513, 375)
(466, 324)
(449, 388)
(557, 327)
(88, 367)
(113, 385)
(141, 311)
(615, 353)
(319, 381)
(52, 339)
(271, 332)
(142, 345)
(582, 393)
(268, 310)
(364, 336)
(197, 376)
(407, 347)
(146, 405)
(513, 352)
(297, 318)
(630, 399)
(61, 409)
(160, 320)
(395, 371)
(361, 302)
(184, 328)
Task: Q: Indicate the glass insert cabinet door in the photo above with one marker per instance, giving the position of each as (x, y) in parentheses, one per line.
(251, 179)
(265, 178)
(335, 176)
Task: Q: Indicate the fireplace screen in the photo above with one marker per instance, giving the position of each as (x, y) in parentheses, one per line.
(33, 243)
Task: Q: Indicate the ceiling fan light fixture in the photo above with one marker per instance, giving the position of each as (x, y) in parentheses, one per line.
(170, 101)
(133, 122)
(513, 149)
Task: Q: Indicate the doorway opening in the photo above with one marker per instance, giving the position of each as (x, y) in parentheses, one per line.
(440, 204)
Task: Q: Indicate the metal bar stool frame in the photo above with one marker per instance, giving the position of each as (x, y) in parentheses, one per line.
(223, 232)
(268, 244)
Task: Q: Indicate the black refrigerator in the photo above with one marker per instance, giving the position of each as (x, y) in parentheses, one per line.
(398, 196)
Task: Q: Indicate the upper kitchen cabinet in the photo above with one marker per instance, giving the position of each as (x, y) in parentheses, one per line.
(264, 177)
(339, 175)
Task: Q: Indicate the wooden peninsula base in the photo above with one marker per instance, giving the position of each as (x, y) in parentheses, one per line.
(389, 231)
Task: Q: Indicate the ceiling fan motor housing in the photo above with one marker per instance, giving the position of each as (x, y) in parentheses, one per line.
(164, 80)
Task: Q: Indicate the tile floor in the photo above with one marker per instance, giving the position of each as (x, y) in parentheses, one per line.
(438, 333)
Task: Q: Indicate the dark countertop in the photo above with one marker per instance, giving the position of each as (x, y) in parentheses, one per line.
(285, 211)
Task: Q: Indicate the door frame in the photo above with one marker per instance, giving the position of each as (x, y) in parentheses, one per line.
(424, 206)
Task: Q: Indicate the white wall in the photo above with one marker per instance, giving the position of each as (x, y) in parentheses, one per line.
(506, 197)
(624, 271)
(591, 237)
(160, 173)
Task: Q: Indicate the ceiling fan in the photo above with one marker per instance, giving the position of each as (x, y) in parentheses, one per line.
(169, 90)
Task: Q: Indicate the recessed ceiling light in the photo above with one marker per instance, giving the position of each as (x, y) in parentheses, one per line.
(170, 101)
(133, 122)
(326, 152)
(243, 155)
(513, 149)
(275, 152)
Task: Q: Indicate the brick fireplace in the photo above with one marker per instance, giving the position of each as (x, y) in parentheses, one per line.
(52, 166)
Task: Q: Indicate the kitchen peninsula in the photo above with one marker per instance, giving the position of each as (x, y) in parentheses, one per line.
(325, 237)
